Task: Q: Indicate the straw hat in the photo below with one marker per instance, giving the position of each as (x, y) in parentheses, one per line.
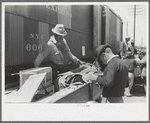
(59, 30)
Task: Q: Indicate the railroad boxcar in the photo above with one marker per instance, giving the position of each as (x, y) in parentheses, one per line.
(28, 27)
(111, 29)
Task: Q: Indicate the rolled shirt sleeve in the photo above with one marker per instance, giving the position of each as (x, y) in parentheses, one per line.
(38, 60)
(42, 55)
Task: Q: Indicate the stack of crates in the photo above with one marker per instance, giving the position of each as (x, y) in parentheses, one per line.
(47, 82)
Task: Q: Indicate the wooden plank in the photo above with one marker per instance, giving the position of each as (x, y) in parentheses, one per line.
(29, 88)
(80, 94)
(64, 93)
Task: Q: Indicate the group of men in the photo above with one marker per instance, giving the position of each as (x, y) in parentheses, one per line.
(138, 63)
(115, 74)
(127, 45)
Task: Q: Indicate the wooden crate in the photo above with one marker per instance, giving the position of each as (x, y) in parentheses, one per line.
(25, 74)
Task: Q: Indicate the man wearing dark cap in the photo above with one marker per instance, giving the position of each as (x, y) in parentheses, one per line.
(115, 75)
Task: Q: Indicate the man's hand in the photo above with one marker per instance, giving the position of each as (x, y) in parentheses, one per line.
(89, 77)
(92, 77)
(77, 61)
(81, 62)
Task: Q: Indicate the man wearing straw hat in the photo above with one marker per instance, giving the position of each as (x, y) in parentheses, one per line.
(58, 51)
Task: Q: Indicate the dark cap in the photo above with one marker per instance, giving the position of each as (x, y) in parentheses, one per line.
(101, 49)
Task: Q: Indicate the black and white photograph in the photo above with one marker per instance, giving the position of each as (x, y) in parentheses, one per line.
(75, 61)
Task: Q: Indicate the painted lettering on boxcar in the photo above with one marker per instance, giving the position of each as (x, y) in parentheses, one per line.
(32, 35)
(60, 10)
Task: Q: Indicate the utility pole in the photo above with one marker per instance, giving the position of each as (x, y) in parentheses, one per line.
(134, 11)
(134, 22)
(127, 29)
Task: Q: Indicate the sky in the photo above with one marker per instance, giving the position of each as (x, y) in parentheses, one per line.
(126, 12)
